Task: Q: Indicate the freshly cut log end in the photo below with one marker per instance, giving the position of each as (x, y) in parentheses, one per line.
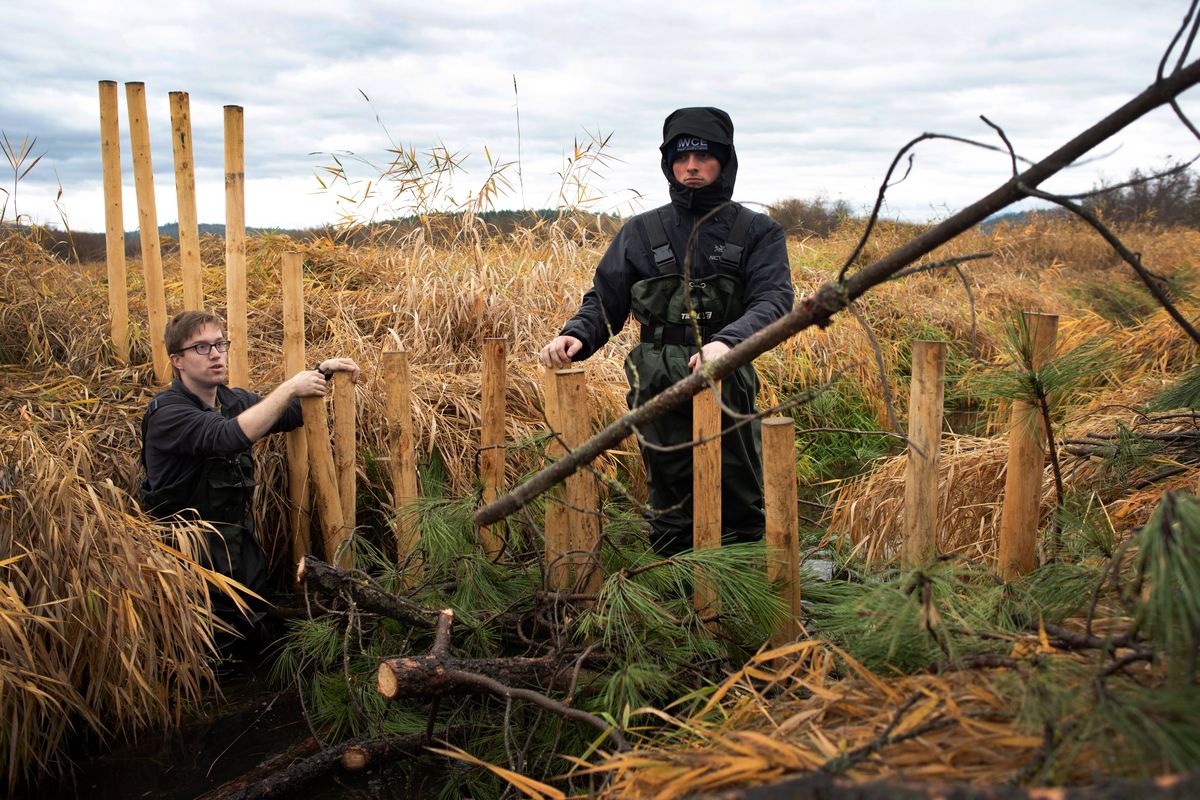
(386, 681)
(355, 759)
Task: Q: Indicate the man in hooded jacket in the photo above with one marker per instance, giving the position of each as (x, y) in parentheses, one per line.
(739, 279)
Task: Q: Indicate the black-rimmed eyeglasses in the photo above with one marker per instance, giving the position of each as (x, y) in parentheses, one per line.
(203, 348)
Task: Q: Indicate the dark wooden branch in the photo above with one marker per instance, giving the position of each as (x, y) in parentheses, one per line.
(439, 673)
(368, 596)
(283, 774)
(820, 307)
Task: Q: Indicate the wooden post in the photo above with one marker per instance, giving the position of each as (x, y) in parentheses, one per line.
(344, 414)
(921, 498)
(114, 221)
(235, 248)
(583, 521)
(782, 519)
(491, 435)
(185, 196)
(1026, 464)
(706, 483)
(558, 574)
(143, 178)
(299, 499)
(398, 384)
(324, 479)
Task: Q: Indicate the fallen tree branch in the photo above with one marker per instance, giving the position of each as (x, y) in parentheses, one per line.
(283, 775)
(821, 306)
(367, 595)
(439, 673)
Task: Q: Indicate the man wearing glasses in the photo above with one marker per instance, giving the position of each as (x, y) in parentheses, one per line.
(196, 441)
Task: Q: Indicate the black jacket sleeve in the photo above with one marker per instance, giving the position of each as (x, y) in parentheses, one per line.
(183, 429)
(605, 306)
(766, 282)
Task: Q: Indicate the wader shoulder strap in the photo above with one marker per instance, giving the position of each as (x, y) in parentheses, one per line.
(735, 244)
(660, 246)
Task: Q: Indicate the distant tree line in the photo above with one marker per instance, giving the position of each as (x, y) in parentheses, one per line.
(1168, 197)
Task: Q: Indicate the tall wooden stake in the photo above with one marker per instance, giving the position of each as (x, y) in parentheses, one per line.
(398, 383)
(235, 247)
(299, 499)
(114, 221)
(143, 178)
(324, 479)
(558, 574)
(185, 196)
(783, 521)
(706, 483)
(491, 435)
(1026, 464)
(921, 499)
(583, 502)
(344, 415)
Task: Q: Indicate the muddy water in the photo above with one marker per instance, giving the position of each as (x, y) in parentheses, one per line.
(230, 737)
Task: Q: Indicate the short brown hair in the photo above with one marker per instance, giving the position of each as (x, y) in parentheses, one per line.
(185, 324)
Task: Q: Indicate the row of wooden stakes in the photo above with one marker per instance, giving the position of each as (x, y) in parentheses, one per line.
(189, 237)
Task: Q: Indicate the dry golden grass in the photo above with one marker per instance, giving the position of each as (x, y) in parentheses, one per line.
(807, 705)
(102, 624)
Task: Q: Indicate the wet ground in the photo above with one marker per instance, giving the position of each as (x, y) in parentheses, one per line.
(228, 738)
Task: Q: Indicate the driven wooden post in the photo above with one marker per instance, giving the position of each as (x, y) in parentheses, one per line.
(235, 247)
(344, 446)
(1026, 464)
(706, 483)
(491, 435)
(558, 574)
(921, 498)
(185, 196)
(114, 221)
(583, 502)
(324, 479)
(299, 499)
(143, 179)
(783, 519)
(403, 464)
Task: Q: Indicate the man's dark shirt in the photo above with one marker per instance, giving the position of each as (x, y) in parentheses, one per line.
(180, 434)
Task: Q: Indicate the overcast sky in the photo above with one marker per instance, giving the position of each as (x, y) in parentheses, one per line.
(821, 93)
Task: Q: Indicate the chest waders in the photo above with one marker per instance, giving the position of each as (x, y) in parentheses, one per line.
(660, 360)
(220, 493)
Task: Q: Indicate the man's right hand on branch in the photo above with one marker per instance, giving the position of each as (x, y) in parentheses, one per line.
(559, 352)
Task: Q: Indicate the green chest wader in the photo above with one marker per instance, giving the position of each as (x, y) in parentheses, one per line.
(661, 360)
